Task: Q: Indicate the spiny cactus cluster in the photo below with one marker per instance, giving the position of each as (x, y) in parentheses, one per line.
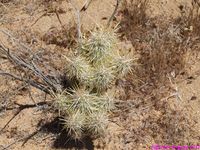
(96, 66)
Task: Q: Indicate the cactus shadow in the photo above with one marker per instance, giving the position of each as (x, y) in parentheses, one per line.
(63, 140)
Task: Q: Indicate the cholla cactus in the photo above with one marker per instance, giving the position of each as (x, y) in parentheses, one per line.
(99, 47)
(79, 68)
(102, 78)
(97, 123)
(81, 110)
(97, 66)
(74, 122)
(122, 66)
(84, 101)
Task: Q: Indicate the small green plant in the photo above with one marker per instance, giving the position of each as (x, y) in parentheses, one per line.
(97, 65)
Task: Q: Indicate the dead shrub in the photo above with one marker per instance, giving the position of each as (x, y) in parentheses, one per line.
(162, 47)
(190, 21)
(163, 50)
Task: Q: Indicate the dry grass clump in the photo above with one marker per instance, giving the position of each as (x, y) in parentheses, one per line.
(179, 126)
(162, 47)
(165, 125)
(163, 50)
(189, 21)
(96, 66)
(134, 16)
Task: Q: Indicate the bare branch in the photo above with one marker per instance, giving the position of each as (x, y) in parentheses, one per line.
(86, 5)
(30, 66)
(114, 12)
(10, 75)
(31, 82)
(16, 40)
(77, 12)
(12, 92)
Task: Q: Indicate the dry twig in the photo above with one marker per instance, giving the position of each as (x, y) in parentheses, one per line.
(77, 12)
(86, 5)
(47, 84)
(114, 12)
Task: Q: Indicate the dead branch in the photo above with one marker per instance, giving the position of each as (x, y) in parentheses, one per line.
(86, 5)
(9, 94)
(16, 40)
(31, 66)
(46, 13)
(114, 12)
(37, 85)
(38, 18)
(30, 136)
(57, 15)
(77, 12)
(10, 120)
